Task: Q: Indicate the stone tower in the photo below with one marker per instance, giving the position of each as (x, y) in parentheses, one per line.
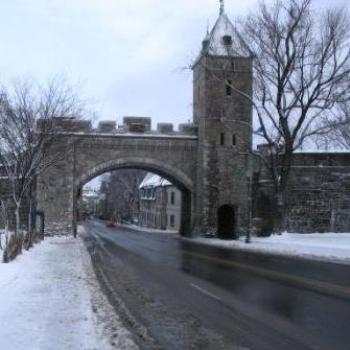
(222, 75)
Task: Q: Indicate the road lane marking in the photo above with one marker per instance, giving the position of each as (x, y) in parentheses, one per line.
(319, 286)
(204, 291)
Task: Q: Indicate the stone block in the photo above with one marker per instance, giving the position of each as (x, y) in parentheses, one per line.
(137, 124)
(188, 128)
(63, 125)
(165, 128)
(107, 126)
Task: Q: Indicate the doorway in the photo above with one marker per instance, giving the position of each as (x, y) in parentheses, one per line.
(226, 222)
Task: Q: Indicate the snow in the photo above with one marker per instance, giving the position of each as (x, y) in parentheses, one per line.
(47, 298)
(320, 246)
(154, 180)
(224, 27)
(148, 230)
(324, 151)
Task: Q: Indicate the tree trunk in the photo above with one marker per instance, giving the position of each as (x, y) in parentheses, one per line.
(17, 218)
(280, 212)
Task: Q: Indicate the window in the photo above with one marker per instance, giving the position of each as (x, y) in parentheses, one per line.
(227, 40)
(229, 88)
(222, 139)
(233, 140)
(172, 198)
(172, 220)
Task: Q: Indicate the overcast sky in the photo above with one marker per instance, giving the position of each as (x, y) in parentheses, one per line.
(126, 57)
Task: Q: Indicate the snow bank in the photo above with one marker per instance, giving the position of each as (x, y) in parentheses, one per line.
(50, 299)
(148, 230)
(2, 239)
(325, 246)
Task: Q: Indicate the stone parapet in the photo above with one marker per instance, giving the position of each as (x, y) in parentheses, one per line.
(165, 128)
(63, 124)
(107, 126)
(189, 129)
(137, 124)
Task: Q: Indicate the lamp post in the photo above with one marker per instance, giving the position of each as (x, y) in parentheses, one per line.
(249, 175)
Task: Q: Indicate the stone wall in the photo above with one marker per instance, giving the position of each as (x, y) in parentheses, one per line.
(319, 193)
(318, 196)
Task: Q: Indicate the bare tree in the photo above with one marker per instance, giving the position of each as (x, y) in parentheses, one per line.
(336, 131)
(122, 193)
(25, 150)
(301, 71)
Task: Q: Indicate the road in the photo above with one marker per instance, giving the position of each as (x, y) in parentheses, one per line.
(177, 294)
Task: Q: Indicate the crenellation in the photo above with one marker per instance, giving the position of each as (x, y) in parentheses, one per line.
(165, 128)
(188, 128)
(137, 124)
(107, 126)
(63, 124)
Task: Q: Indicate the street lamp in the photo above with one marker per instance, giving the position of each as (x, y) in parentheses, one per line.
(249, 175)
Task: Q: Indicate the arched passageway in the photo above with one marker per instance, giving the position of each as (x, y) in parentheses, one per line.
(177, 178)
(226, 222)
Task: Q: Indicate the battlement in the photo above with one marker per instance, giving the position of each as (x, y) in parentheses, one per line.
(130, 125)
(63, 125)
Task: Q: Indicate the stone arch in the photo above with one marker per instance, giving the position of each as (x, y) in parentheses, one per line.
(174, 175)
(226, 221)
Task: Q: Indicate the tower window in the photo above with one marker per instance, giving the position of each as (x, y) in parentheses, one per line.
(222, 139)
(228, 87)
(233, 140)
(227, 40)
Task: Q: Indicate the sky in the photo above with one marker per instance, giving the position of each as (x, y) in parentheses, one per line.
(125, 58)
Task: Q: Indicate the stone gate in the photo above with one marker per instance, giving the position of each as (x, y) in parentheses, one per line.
(207, 159)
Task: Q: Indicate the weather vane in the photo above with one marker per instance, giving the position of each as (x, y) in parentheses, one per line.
(222, 7)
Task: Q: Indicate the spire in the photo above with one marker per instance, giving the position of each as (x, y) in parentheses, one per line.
(208, 31)
(222, 7)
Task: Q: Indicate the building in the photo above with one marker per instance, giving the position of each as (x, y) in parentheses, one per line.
(88, 203)
(160, 204)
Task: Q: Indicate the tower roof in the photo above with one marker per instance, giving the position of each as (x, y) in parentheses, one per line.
(224, 39)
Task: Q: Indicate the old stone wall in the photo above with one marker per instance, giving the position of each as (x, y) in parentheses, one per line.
(319, 193)
(318, 196)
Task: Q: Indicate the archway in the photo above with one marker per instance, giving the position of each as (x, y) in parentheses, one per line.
(175, 176)
(226, 222)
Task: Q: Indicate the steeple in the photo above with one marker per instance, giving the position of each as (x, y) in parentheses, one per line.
(224, 39)
(222, 7)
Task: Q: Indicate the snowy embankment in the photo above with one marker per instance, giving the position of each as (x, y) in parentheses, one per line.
(50, 299)
(149, 230)
(325, 246)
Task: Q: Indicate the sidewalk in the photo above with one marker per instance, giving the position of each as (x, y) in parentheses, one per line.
(50, 300)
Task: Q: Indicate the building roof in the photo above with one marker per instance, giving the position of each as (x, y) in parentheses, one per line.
(214, 42)
(153, 180)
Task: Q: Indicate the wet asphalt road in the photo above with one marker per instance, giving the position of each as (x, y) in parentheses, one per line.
(177, 294)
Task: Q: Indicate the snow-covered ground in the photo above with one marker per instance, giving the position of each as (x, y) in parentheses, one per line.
(149, 230)
(325, 246)
(50, 300)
